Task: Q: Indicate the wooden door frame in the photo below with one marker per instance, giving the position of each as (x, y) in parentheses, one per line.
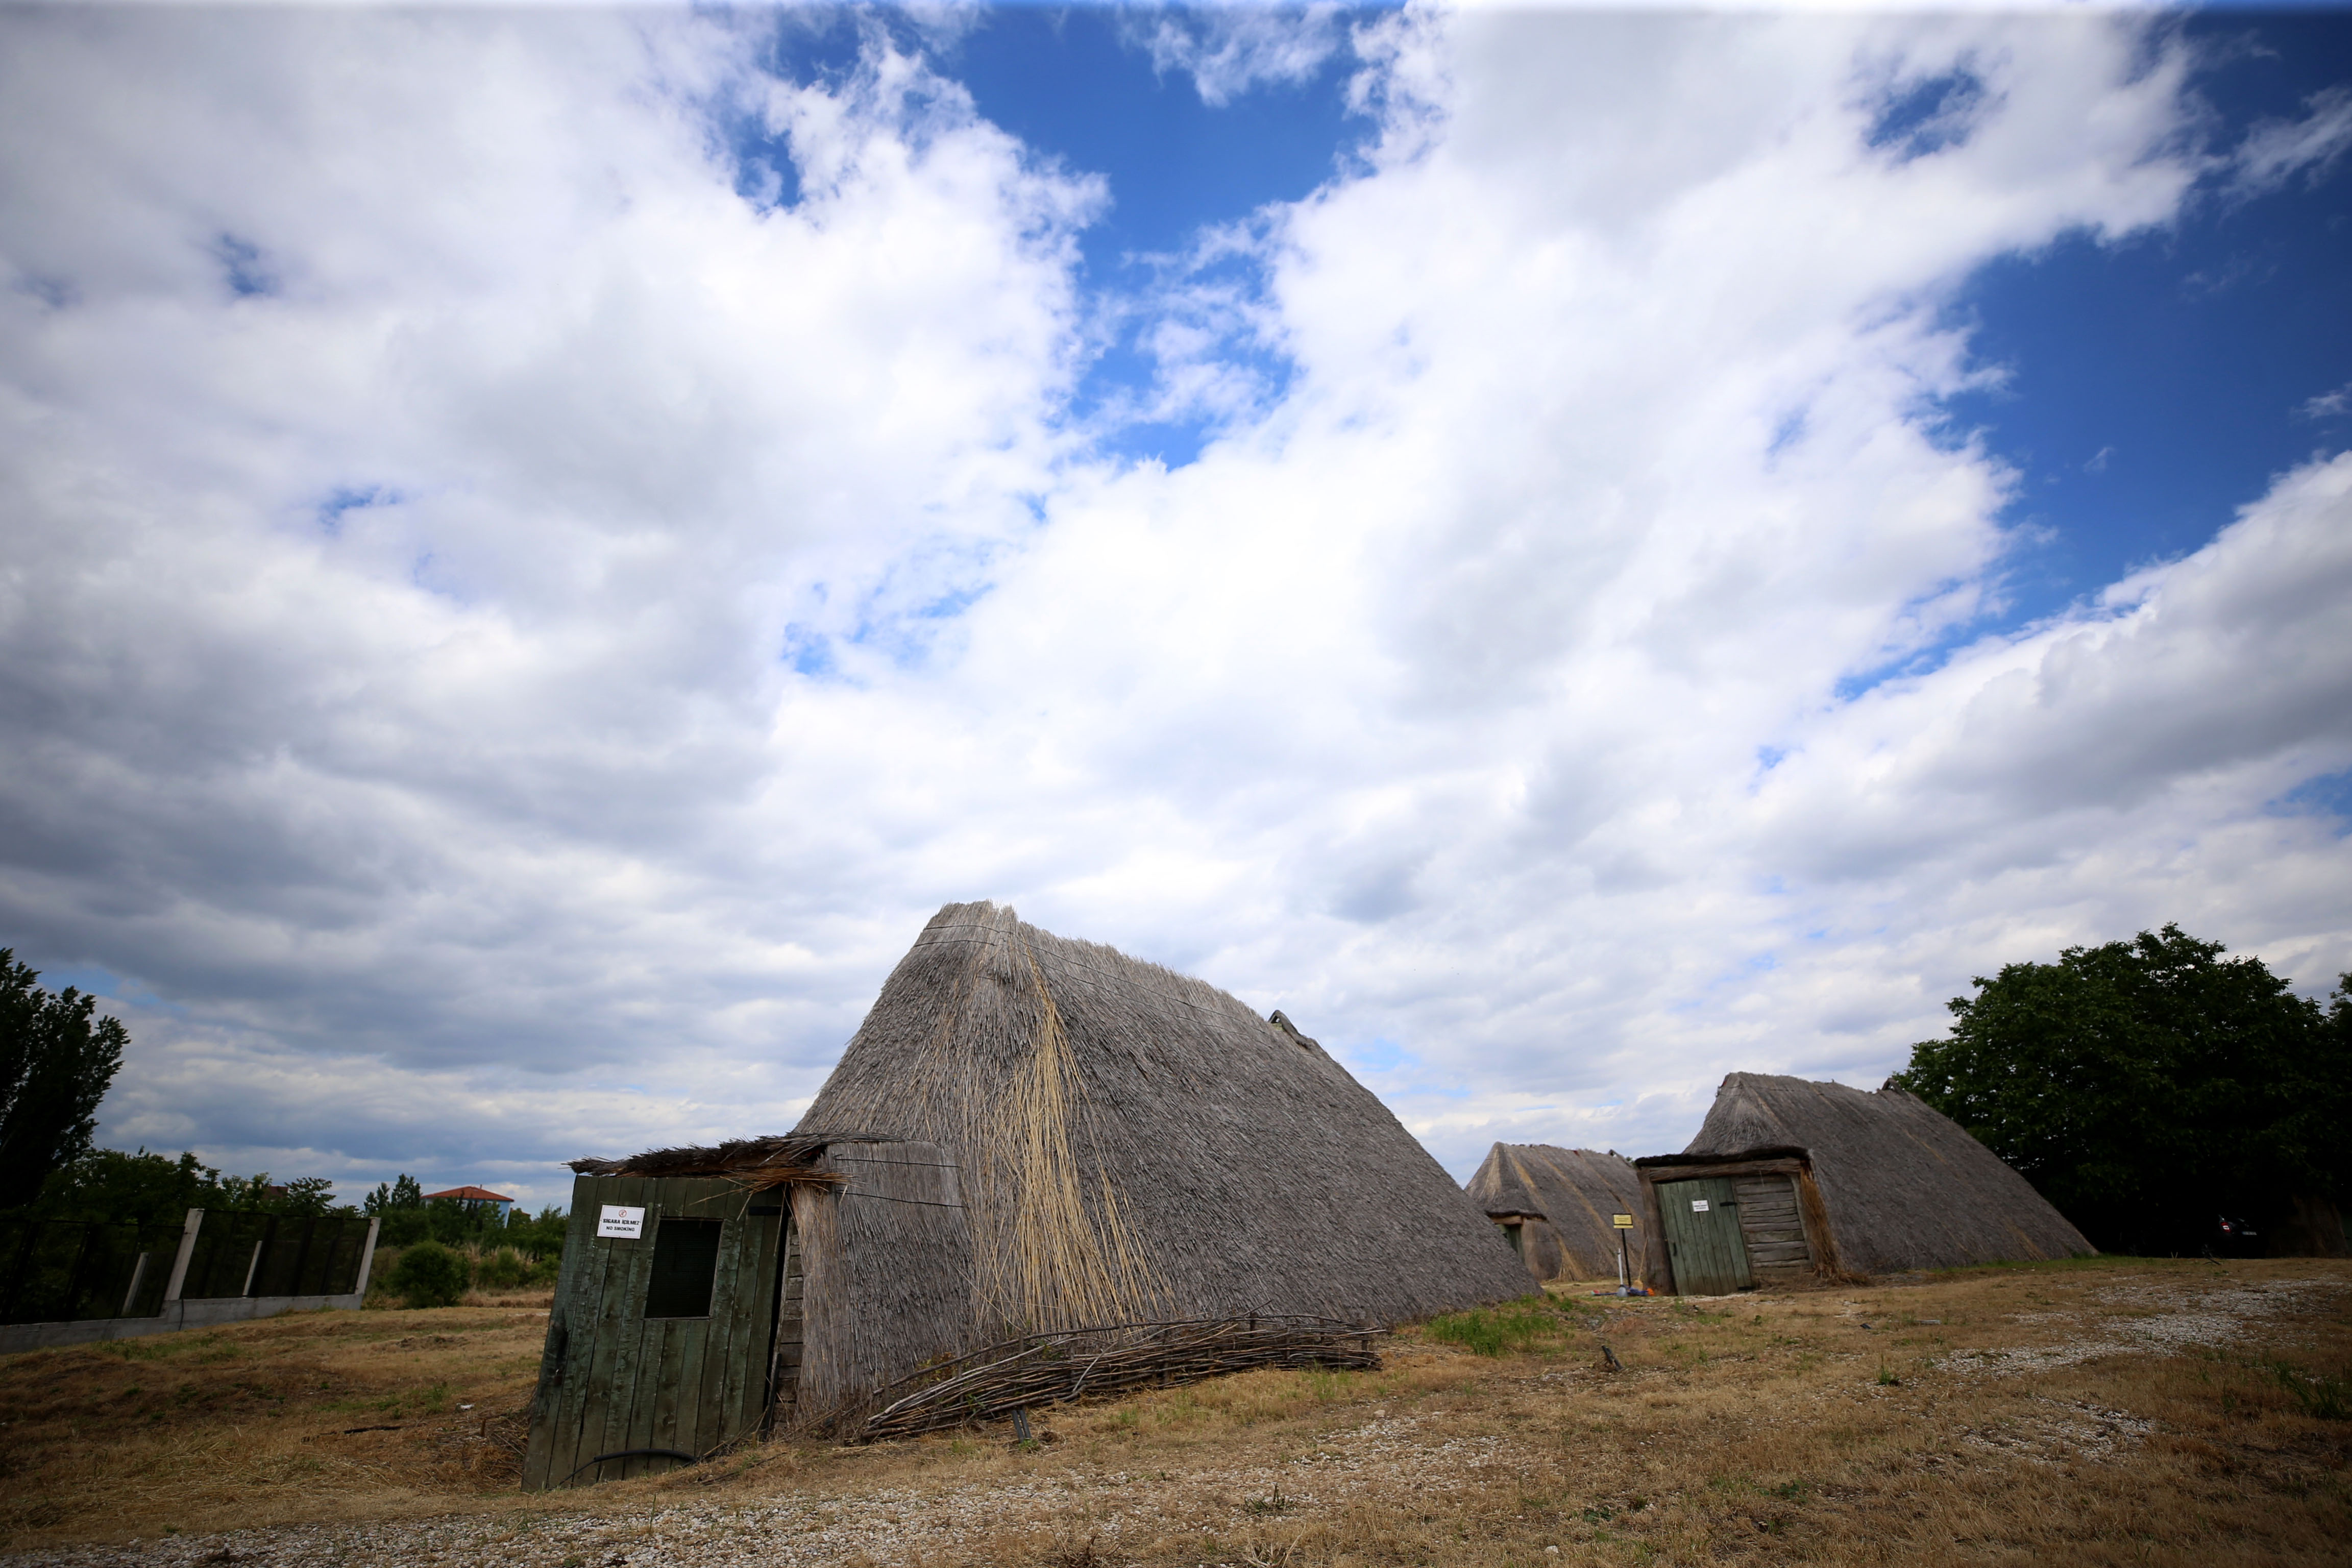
(591, 1369)
(1658, 1168)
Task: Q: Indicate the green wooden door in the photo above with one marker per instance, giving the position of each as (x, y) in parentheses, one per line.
(1703, 1242)
(658, 1339)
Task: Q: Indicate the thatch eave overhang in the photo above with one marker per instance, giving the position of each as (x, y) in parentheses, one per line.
(753, 1161)
(1722, 1157)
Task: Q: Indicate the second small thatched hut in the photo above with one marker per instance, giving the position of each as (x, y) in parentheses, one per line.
(1792, 1181)
(1556, 1205)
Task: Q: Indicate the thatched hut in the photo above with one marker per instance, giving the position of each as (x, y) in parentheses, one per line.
(1137, 1144)
(1029, 1140)
(1790, 1183)
(1556, 1205)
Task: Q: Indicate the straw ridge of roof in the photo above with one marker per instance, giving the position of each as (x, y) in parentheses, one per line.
(1904, 1186)
(1139, 1145)
(1574, 1192)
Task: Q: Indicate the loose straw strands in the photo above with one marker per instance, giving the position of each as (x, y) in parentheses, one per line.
(1053, 1259)
(1051, 1369)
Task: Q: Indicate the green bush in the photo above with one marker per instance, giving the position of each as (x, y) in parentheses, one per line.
(508, 1269)
(430, 1275)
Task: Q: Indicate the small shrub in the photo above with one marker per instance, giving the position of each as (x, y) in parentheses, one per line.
(429, 1275)
(1514, 1326)
(2323, 1397)
(505, 1269)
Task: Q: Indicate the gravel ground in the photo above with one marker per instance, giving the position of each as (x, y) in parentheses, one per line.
(879, 1525)
(958, 1521)
(2184, 1317)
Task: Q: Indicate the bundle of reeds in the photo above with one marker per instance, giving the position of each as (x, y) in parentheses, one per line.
(1046, 1250)
(1053, 1368)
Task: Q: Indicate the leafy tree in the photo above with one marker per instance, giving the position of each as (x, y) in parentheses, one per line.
(430, 1275)
(299, 1195)
(56, 1064)
(2146, 1087)
(153, 1189)
(407, 1193)
(540, 1234)
(455, 1222)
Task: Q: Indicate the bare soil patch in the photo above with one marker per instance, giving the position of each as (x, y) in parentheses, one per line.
(2112, 1411)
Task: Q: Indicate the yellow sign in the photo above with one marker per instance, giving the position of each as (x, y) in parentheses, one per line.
(1621, 1221)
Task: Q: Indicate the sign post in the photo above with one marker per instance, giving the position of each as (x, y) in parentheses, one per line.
(1624, 1223)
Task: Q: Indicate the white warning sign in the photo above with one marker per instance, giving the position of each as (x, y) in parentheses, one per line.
(1698, 1205)
(620, 1221)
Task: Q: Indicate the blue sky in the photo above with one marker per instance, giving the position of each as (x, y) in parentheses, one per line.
(2187, 357)
(2145, 388)
(1572, 551)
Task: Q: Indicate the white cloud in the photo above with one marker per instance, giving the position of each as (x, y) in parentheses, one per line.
(1230, 48)
(2276, 150)
(2327, 404)
(1477, 698)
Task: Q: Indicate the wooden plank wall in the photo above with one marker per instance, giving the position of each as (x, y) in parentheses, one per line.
(610, 1378)
(1775, 1233)
(784, 1379)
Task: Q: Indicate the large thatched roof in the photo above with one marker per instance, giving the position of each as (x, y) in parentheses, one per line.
(1137, 1145)
(1572, 1192)
(1903, 1186)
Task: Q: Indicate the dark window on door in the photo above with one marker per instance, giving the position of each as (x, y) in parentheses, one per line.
(686, 1260)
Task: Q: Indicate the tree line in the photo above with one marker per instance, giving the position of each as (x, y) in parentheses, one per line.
(57, 1059)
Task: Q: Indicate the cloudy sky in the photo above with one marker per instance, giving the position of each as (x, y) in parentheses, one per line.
(1573, 553)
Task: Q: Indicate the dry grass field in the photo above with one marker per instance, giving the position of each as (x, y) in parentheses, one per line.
(2108, 1412)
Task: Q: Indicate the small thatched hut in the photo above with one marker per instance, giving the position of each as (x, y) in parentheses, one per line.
(1028, 1140)
(1790, 1182)
(1556, 1206)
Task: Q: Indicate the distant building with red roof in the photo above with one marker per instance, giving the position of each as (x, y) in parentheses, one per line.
(473, 1195)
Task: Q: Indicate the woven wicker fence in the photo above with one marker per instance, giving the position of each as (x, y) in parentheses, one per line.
(1053, 1368)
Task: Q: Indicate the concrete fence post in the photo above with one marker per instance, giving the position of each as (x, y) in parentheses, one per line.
(179, 1264)
(367, 1259)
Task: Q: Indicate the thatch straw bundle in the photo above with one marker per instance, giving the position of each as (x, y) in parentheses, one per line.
(1139, 1146)
(1900, 1185)
(1566, 1197)
(759, 1164)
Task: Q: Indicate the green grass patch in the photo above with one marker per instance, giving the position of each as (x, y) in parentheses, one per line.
(2323, 1397)
(1515, 1327)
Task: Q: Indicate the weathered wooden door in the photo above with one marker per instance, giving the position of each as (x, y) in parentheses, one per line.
(1703, 1243)
(659, 1345)
(1773, 1230)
